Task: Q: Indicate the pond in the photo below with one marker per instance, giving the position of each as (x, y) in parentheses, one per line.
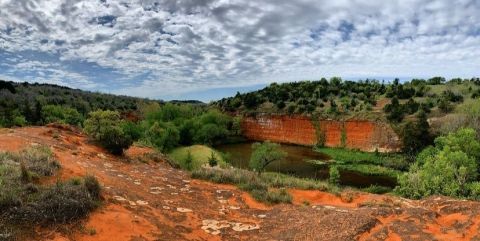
(296, 164)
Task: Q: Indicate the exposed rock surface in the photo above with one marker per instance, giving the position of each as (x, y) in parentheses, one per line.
(357, 134)
(207, 211)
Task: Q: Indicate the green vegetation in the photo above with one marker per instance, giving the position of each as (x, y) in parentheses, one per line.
(365, 163)
(265, 153)
(342, 98)
(370, 170)
(25, 204)
(266, 187)
(200, 155)
(106, 128)
(343, 156)
(450, 168)
(334, 175)
(172, 125)
(38, 104)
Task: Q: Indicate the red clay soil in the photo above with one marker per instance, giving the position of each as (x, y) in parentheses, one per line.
(152, 201)
(359, 134)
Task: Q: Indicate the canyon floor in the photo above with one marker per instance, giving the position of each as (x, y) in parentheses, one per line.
(146, 200)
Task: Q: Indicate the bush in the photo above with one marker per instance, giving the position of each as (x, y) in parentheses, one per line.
(61, 114)
(25, 204)
(60, 203)
(188, 161)
(105, 127)
(447, 170)
(164, 136)
(334, 175)
(38, 160)
(212, 160)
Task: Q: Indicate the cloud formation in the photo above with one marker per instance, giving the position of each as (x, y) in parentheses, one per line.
(155, 48)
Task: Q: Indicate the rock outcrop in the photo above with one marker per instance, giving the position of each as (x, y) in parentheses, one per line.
(354, 134)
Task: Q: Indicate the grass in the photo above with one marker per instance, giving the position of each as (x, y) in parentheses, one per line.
(24, 203)
(200, 155)
(370, 170)
(268, 187)
(343, 156)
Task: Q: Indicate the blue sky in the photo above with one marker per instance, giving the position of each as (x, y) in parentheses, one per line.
(209, 49)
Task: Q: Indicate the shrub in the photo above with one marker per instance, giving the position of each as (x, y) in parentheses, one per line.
(334, 175)
(57, 113)
(93, 186)
(448, 170)
(212, 160)
(164, 136)
(38, 160)
(60, 203)
(188, 161)
(105, 127)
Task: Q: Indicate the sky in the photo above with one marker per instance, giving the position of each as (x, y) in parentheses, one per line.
(209, 49)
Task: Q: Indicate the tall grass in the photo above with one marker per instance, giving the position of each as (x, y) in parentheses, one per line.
(266, 187)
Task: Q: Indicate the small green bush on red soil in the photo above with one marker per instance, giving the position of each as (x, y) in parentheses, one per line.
(25, 204)
(106, 128)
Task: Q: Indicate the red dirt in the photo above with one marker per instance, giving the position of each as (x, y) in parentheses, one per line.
(359, 134)
(152, 201)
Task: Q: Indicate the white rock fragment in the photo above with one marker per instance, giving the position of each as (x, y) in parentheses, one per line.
(118, 198)
(184, 210)
(142, 203)
(240, 227)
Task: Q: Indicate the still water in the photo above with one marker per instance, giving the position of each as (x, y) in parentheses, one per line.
(296, 164)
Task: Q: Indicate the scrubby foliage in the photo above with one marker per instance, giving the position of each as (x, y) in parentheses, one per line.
(24, 203)
(262, 187)
(337, 97)
(172, 125)
(107, 128)
(449, 168)
(36, 104)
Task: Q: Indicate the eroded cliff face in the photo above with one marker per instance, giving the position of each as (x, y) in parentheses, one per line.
(301, 130)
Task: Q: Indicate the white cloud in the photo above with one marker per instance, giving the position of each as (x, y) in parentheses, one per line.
(187, 45)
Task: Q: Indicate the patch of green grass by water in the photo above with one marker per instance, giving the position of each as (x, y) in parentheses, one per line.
(200, 155)
(342, 156)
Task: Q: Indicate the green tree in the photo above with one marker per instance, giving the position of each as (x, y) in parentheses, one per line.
(105, 127)
(264, 154)
(164, 136)
(416, 135)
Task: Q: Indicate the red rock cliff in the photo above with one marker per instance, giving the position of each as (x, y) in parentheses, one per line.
(354, 134)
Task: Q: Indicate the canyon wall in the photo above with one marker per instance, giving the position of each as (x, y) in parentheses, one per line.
(301, 130)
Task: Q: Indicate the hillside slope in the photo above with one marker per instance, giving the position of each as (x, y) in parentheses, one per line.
(152, 201)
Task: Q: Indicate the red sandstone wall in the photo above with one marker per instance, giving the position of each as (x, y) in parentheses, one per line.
(363, 135)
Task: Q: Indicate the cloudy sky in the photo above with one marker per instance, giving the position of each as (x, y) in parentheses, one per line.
(206, 49)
